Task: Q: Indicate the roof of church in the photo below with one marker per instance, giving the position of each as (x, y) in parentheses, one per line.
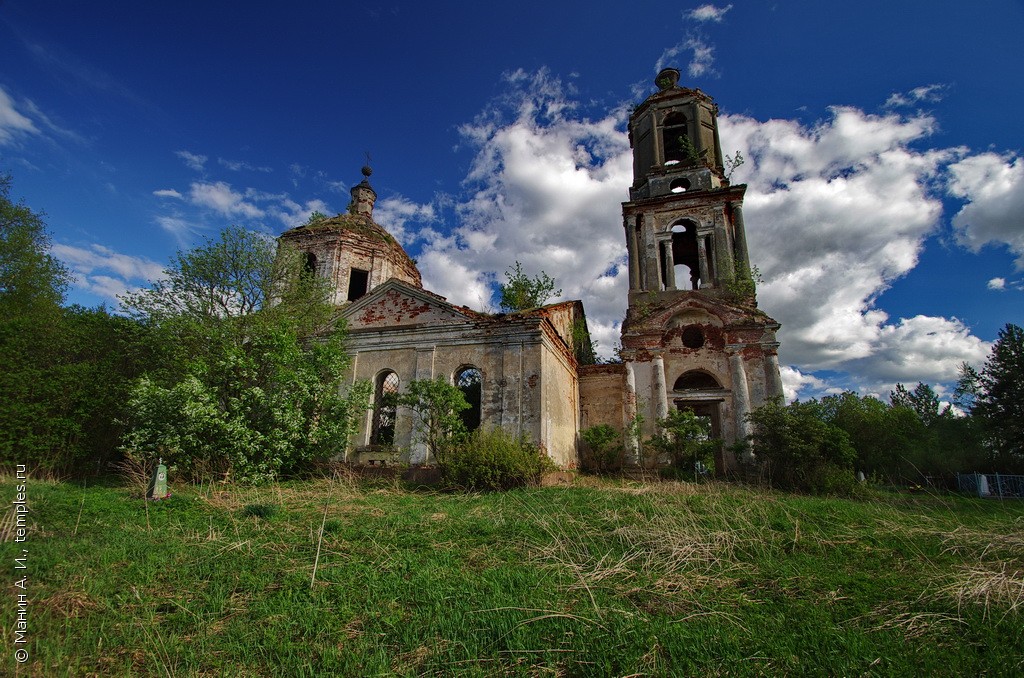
(358, 224)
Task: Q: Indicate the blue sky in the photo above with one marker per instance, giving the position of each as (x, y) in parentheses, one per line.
(882, 144)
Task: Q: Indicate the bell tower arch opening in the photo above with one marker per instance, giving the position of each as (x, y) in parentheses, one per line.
(686, 254)
(675, 140)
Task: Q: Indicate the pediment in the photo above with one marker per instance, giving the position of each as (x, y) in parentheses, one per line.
(396, 304)
(698, 309)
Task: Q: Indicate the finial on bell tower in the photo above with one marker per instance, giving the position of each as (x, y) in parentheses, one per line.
(363, 195)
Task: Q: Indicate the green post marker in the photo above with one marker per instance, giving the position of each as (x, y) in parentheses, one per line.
(158, 483)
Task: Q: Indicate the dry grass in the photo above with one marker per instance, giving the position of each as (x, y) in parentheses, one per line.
(994, 585)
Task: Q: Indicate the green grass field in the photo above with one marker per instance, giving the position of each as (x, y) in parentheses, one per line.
(602, 578)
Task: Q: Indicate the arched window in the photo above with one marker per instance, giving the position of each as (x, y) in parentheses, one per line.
(676, 140)
(385, 407)
(309, 264)
(470, 380)
(685, 254)
(696, 380)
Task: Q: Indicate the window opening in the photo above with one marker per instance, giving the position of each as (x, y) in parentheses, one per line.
(680, 185)
(358, 280)
(693, 337)
(685, 253)
(695, 380)
(675, 140)
(385, 409)
(469, 380)
(309, 264)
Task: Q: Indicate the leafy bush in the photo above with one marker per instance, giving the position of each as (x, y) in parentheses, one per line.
(437, 408)
(604, 452)
(494, 460)
(249, 377)
(686, 440)
(798, 449)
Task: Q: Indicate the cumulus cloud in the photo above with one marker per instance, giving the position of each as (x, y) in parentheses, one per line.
(220, 197)
(105, 272)
(997, 284)
(12, 122)
(836, 212)
(168, 193)
(395, 212)
(796, 384)
(291, 213)
(708, 13)
(545, 188)
(192, 160)
(993, 187)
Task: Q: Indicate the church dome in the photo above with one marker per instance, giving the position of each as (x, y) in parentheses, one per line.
(351, 250)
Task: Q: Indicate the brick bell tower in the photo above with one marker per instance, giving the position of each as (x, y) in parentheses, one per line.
(693, 337)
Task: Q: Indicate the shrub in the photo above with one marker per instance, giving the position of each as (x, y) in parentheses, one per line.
(604, 451)
(798, 449)
(494, 460)
(686, 440)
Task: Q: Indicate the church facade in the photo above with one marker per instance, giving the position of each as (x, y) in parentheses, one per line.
(693, 337)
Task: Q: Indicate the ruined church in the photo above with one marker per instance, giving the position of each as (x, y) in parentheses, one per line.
(692, 338)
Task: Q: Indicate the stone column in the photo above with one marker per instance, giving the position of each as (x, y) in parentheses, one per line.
(653, 265)
(670, 270)
(772, 373)
(740, 391)
(723, 258)
(660, 391)
(632, 448)
(740, 232)
(702, 263)
(633, 256)
(418, 452)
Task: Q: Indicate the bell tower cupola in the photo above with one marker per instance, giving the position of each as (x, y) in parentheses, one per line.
(684, 221)
(674, 136)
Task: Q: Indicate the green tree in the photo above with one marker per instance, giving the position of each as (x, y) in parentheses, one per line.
(686, 439)
(604, 450)
(31, 279)
(798, 448)
(889, 441)
(522, 292)
(250, 381)
(437, 408)
(999, 399)
(922, 400)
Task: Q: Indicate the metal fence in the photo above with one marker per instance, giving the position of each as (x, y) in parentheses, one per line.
(991, 485)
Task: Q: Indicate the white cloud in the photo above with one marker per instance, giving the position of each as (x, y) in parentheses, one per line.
(708, 13)
(219, 196)
(395, 212)
(291, 213)
(180, 228)
(993, 187)
(545, 189)
(997, 284)
(702, 56)
(796, 384)
(167, 193)
(926, 93)
(835, 213)
(12, 122)
(106, 273)
(193, 160)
